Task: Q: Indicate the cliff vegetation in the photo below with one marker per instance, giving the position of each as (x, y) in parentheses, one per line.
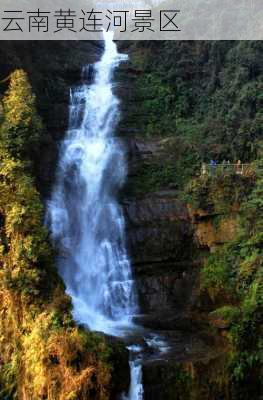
(43, 354)
(194, 102)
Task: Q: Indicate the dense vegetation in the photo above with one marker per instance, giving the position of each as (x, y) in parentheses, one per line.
(202, 100)
(199, 101)
(42, 352)
(196, 101)
(233, 278)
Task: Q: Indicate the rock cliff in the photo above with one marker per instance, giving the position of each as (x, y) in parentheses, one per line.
(168, 239)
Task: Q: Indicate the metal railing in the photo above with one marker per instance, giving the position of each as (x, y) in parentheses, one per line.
(227, 168)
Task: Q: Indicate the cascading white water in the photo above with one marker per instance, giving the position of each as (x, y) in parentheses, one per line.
(85, 219)
(136, 386)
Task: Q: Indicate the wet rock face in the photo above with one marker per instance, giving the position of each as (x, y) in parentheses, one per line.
(158, 228)
(159, 236)
(160, 233)
(160, 241)
(119, 360)
(166, 293)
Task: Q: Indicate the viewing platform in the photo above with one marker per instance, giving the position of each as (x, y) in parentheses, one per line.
(227, 168)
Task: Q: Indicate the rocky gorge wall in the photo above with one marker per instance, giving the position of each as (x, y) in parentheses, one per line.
(168, 239)
(160, 231)
(168, 243)
(160, 238)
(176, 219)
(164, 236)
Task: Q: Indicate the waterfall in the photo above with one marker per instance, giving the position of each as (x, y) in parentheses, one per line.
(85, 219)
(136, 386)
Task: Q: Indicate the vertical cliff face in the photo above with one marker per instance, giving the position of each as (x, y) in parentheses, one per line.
(159, 229)
(182, 103)
(187, 103)
(160, 238)
(174, 116)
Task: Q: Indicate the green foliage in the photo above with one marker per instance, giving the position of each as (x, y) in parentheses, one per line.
(233, 277)
(175, 162)
(21, 127)
(218, 193)
(208, 94)
(227, 312)
(180, 387)
(213, 109)
(158, 105)
(8, 379)
(218, 275)
(153, 177)
(43, 353)
(23, 235)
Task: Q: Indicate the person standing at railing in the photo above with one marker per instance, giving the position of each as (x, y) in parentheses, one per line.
(239, 167)
(203, 169)
(224, 165)
(213, 164)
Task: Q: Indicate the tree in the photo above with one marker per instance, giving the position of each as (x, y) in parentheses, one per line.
(21, 128)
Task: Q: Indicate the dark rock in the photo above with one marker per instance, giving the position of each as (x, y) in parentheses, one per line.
(169, 377)
(166, 292)
(158, 229)
(119, 360)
